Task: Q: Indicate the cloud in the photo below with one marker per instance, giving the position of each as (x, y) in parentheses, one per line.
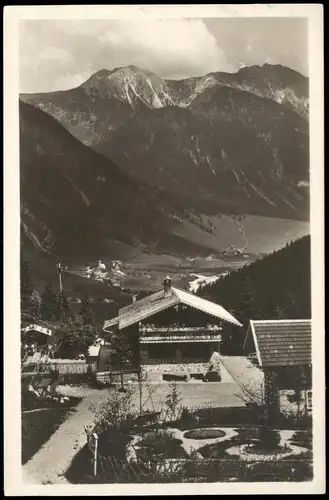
(259, 40)
(61, 54)
(56, 55)
(172, 48)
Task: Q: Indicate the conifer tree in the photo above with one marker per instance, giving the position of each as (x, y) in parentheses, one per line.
(35, 304)
(63, 306)
(291, 307)
(250, 307)
(87, 312)
(49, 306)
(279, 312)
(121, 344)
(74, 338)
(25, 285)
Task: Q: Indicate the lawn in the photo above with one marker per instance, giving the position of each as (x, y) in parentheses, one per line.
(39, 424)
(194, 395)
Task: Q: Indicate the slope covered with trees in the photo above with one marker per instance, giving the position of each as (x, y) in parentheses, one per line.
(275, 287)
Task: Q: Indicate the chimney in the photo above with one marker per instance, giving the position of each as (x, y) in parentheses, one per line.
(134, 298)
(167, 286)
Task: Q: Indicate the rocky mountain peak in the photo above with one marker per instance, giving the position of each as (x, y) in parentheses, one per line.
(132, 85)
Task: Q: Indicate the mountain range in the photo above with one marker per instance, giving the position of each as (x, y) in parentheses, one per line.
(128, 155)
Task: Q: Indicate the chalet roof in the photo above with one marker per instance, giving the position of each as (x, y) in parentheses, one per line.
(282, 342)
(159, 301)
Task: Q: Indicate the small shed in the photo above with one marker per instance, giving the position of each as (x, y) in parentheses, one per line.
(39, 334)
(93, 354)
(284, 354)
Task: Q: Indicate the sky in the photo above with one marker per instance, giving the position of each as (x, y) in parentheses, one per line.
(61, 54)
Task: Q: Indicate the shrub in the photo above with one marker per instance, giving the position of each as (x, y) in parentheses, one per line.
(218, 416)
(160, 441)
(115, 414)
(172, 407)
(188, 419)
(114, 445)
(76, 378)
(290, 419)
(269, 439)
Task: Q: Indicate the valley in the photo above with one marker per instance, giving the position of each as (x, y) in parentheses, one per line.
(112, 278)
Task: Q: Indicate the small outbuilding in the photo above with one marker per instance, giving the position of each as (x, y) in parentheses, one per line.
(284, 354)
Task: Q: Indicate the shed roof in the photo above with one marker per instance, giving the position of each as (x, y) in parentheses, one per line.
(282, 342)
(37, 328)
(93, 350)
(159, 301)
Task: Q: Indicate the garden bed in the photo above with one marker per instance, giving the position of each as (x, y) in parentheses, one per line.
(255, 444)
(185, 445)
(30, 402)
(204, 434)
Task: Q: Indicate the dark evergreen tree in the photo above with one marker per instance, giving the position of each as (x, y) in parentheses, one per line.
(26, 285)
(291, 306)
(124, 352)
(279, 312)
(249, 305)
(35, 304)
(49, 306)
(74, 338)
(276, 286)
(87, 312)
(63, 307)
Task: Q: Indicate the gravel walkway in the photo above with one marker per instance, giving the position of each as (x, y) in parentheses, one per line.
(243, 371)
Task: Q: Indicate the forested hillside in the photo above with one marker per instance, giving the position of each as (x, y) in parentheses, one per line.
(275, 287)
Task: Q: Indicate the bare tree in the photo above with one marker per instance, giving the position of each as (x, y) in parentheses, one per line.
(252, 393)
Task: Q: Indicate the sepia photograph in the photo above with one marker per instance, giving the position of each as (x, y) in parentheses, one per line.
(166, 214)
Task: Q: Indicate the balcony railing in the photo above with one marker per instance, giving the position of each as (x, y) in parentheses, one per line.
(176, 330)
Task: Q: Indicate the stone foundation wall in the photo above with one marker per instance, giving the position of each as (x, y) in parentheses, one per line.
(176, 367)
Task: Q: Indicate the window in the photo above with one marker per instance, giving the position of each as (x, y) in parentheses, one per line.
(309, 405)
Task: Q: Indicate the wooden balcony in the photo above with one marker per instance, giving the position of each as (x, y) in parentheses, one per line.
(150, 334)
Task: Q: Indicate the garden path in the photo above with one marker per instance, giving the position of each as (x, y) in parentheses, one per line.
(50, 463)
(243, 371)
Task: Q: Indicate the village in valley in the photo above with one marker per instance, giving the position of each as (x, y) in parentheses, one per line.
(172, 387)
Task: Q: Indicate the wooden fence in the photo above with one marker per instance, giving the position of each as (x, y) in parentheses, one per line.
(78, 367)
(112, 470)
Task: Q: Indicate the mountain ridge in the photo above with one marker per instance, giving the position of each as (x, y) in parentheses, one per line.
(72, 197)
(217, 144)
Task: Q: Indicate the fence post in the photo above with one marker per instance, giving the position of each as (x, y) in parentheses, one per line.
(140, 392)
(95, 453)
